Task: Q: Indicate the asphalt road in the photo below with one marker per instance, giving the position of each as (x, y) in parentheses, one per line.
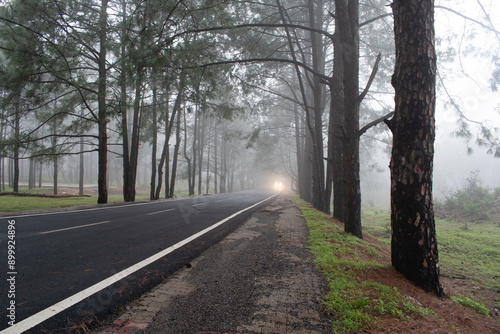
(112, 254)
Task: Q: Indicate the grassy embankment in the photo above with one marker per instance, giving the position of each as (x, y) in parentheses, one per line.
(471, 252)
(354, 303)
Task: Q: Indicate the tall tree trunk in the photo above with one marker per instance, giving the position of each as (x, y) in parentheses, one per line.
(124, 102)
(207, 180)
(101, 99)
(167, 171)
(194, 150)
(82, 168)
(176, 153)
(31, 173)
(2, 174)
(201, 145)
(336, 124)
(299, 150)
(188, 160)
(165, 155)
(216, 157)
(39, 176)
(11, 173)
(56, 173)
(152, 193)
(17, 131)
(82, 162)
(129, 191)
(320, 199)
(55, 157)
(223, 166)
(2, 158)
(311, 150)
(347, 12)
(413, 245)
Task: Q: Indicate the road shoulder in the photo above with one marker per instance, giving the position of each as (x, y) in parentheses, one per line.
(259, 279)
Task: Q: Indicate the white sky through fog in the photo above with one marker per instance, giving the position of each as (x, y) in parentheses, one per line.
(472, 90)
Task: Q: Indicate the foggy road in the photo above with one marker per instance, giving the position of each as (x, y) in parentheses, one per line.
(105, 256)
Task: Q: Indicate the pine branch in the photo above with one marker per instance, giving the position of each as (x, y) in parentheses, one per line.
(375, 122)
(370, 80)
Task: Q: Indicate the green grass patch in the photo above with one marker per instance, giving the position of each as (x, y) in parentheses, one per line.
(474, 252)
(13, 203)
(469, 303)
(470, 250)
(352, 303)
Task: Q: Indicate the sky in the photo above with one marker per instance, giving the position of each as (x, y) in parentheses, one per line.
(468, 81)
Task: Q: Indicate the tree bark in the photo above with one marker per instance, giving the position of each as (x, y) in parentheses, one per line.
(82, 163)
(413, 245)
(17, 131)
(152, 193)
(201, 146)
(216, 158)
(102, 115)
(207, 180)
(347, 13)
(188, 160)
(165, 155)
(176, 153)
(56, 173)
(2, 158)
(129, 191)
(319, 197)
(336, 124)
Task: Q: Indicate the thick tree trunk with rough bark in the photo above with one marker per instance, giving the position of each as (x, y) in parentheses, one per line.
(347, 19)
(336, 124)
(414, 246)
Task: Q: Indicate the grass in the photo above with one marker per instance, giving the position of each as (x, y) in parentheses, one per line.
(352, 303)
(469, 250)
(469, 303)
(14, 203)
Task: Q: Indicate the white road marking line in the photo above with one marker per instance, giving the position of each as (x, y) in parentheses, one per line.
(199, 204)
(74, 227)
(154, 213)
(49, 312)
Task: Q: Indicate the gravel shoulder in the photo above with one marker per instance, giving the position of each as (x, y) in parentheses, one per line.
(259, 279)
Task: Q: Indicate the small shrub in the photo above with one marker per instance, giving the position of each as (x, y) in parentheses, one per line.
(474, 200)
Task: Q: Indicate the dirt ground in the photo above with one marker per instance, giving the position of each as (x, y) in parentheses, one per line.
(451, 317)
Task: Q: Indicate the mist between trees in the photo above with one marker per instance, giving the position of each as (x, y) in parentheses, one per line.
(230, 95)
